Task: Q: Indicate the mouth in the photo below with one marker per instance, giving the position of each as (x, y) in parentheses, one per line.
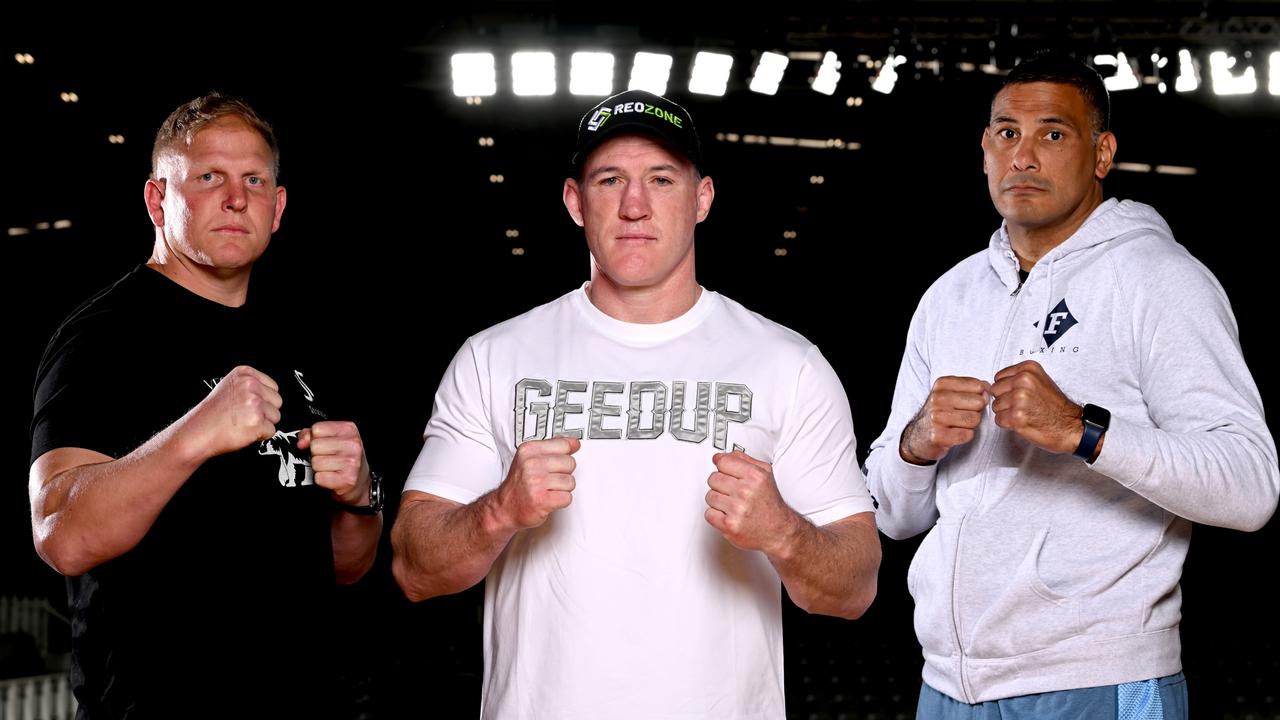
(1024, 189)
(1023, 185)
(232, 230)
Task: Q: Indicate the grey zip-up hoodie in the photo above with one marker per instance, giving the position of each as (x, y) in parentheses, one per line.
(1041, 572)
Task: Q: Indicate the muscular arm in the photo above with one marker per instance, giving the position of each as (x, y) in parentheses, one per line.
(830, 570)
(355, 544)
(341, 467)
(441, 547)
(87, 508)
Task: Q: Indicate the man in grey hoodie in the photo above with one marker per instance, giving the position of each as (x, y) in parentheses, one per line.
(1070, 401)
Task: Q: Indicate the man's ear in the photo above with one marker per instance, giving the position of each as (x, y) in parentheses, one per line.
(153, 194)
(573, 200)
(706, 195)
(1104, 154)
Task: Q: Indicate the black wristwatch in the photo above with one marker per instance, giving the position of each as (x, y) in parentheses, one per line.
(1096, 421)
(376, 498)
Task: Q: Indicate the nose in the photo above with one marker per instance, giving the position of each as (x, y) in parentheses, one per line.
(635, 202)
(236, 199)
(1024, 155)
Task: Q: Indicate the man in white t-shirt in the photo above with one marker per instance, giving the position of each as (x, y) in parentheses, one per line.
(634, 466)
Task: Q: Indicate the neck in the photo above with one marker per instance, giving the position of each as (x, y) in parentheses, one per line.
(1032, 243)
(228, 287)
(649, 304)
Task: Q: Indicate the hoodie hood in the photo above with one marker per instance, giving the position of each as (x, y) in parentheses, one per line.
(1113, 221)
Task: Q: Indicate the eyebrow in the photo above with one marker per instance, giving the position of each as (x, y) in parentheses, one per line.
(610, 169)
(219, 169)
(1048, 120)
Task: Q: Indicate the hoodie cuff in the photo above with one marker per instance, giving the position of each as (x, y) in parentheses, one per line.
(908, 476)
(1123, 458)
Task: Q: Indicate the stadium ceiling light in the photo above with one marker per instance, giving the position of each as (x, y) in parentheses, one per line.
(473, 74)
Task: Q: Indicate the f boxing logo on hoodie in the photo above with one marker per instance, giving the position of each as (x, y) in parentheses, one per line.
(1057, 323)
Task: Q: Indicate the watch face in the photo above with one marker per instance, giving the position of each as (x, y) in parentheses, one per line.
(375, 491)
(1095, 415)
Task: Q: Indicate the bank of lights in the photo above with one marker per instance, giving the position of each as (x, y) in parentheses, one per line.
(475, 74)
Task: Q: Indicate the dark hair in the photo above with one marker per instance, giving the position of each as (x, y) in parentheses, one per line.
(192, 117)
(1056, 67)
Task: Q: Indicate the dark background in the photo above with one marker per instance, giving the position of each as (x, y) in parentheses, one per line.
(396, 240)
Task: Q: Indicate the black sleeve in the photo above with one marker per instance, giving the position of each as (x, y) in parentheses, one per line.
(82, 386)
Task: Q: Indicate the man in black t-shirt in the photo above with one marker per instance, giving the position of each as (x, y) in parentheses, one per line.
(186, 476)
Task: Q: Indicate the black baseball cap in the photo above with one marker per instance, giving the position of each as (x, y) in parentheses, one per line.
(638, 111)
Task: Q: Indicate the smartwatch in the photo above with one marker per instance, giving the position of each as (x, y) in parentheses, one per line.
(376, 498)
(1096, 421)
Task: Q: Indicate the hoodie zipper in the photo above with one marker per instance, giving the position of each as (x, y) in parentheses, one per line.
(987, 451)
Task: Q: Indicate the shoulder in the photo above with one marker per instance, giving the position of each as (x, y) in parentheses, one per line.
(106, 313)
(760, 330)
(523, 327)
(964, 273)
(1146, 259)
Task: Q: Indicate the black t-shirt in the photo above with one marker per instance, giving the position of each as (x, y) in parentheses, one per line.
(226, 598)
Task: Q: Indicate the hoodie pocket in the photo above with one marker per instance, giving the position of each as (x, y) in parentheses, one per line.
(929, 582)
(1025, 615)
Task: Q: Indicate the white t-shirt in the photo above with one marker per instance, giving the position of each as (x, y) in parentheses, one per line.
(627, 604)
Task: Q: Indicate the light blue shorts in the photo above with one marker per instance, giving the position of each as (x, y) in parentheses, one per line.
(1157, 699)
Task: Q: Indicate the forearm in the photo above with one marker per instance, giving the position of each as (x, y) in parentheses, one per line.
(1221, 477)
(88, 508)
(905, 491)
(441, 547)
(830, 570)
(355, 544)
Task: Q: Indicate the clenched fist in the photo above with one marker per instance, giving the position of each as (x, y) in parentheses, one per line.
(744, 504)
(338, 461)
(539, 482)
(950, 416)
(242, 409)
(1028, 402)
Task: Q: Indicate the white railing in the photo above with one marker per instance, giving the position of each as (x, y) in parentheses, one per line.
(30, 616)
(41, 697)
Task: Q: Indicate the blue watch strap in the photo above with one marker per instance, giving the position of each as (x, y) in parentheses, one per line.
(1089, 441)
(1096, 421)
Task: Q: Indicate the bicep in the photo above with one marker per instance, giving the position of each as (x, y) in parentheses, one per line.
(417, 508)
(53, 463)
(416, 501)
(857, 529)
